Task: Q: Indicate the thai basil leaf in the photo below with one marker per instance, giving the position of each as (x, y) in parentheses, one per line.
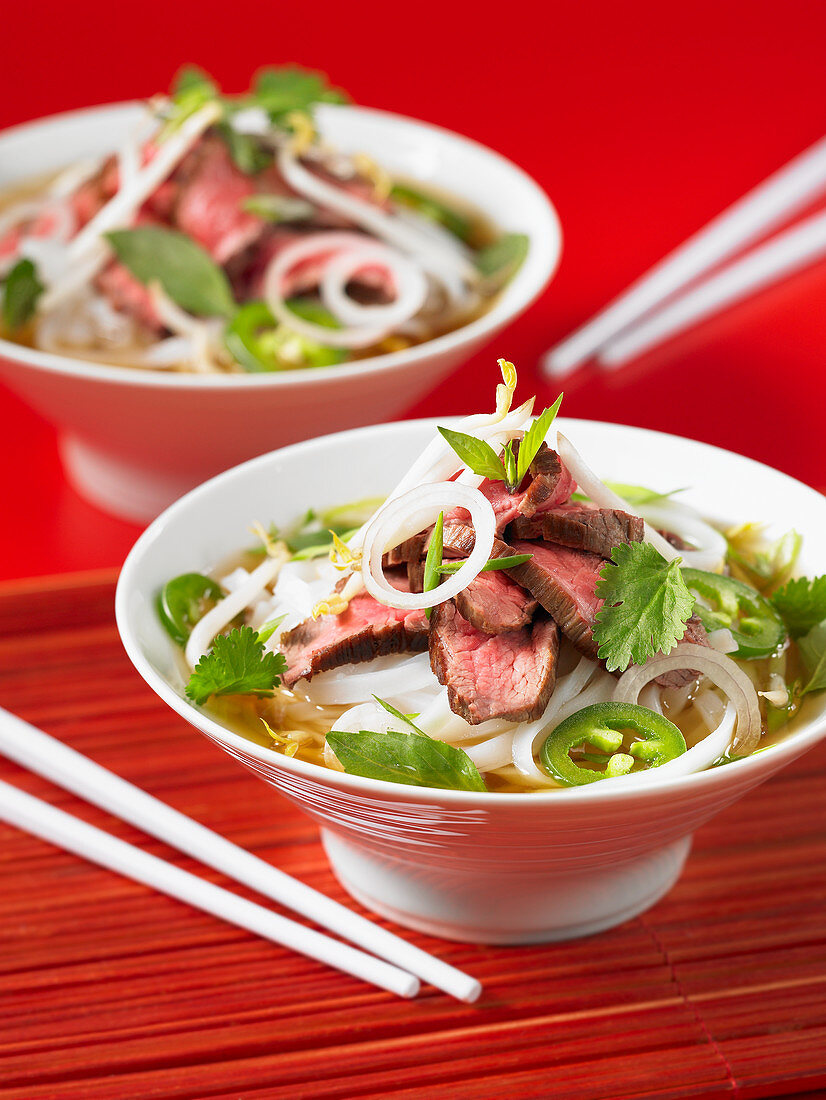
(500, 261)
(186, 272)
(410, 758)
(476, 454)
(21, 291)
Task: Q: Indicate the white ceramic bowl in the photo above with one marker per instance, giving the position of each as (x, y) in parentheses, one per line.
(134, 440)
(490, 868)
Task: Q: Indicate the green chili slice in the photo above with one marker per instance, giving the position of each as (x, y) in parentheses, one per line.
(183, 601)
(594, 736)
(755, 625)
(259, 344)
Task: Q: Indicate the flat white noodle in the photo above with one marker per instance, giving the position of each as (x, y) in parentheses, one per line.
(225, 610)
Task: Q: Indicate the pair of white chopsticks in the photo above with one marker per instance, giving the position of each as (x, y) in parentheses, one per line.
(653, 309)
(399, 964)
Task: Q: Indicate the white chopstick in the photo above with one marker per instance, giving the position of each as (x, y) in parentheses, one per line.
(49, 757)
(761, 209)
(784, 254)
(54, 825)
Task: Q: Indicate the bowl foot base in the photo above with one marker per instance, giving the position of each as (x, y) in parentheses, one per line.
(130, 491)
(507, 907)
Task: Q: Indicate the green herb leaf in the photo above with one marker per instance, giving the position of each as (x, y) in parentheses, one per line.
(802, 604)
(22, 289)
(411, 758)
(647, 604)
(278, 208)
(186, 272)
(246, 150)
(476, 454)
(490, 565)
(500, 261)
(192, 89)
(509, 462)
(534, 438)
(289, 88)
(434, 210)
(236, 665)
(433, 560)
(269, 628)
(812, 648)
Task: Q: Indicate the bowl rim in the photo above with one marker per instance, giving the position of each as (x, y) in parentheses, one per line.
(542, 262)
(781, 752)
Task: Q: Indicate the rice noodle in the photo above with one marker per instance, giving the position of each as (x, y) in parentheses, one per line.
(386, 677)
(225, 610)
(721, 670)
(493, 753)
(712, 554)
(411, 513)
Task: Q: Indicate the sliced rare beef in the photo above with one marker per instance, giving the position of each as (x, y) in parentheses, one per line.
(367, 629)
(597, 530)
(495, 604)
(550, 484)
(507, 676)
(547, 485)
(564, 582)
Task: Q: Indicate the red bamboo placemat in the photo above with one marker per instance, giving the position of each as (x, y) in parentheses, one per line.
(111, 992)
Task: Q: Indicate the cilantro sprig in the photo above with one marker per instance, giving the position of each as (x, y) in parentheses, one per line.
(236, 665)
(647, 605)
(801, 604)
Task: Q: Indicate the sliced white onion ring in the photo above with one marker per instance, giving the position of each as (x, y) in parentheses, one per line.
(721, 670)
(410, 287)
(318, 244)
(710, 557)
(413, 512)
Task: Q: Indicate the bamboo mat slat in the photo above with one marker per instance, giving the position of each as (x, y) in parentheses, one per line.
(111, 992)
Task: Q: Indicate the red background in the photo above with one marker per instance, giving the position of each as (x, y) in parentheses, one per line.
(642, 120)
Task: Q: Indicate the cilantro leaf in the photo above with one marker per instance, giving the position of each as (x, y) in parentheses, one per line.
(647, 604)
(432, 561)
(236, 665)
(476, 454)
(802, 604)
(534, 438)
(813, 654)
(280, 91)
(21, 290)
(187, 273)
(411, 758)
